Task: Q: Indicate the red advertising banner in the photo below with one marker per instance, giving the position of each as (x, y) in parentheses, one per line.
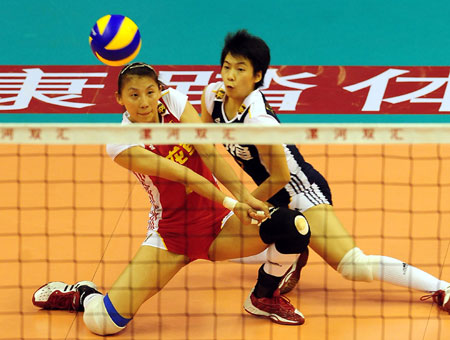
(289, 89)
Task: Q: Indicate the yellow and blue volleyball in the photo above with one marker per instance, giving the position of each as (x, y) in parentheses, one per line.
(115, 40)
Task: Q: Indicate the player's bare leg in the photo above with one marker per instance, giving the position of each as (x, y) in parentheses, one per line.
(236, 240)
(148, 272)
(264, 300)
(325, 230)
(329, 239)
(335, 245)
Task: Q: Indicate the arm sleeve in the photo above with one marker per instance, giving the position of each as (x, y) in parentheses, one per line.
(209, 98)
(175, 101)
(113, 150)
(262, 119)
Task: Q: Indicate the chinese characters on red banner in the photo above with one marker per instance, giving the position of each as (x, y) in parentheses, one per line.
(289, 89)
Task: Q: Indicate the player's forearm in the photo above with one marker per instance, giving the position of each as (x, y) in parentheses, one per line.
(269, 188)
(202, 186)
(274, 158)
(139, 160)
(192, 180)
(223, 171)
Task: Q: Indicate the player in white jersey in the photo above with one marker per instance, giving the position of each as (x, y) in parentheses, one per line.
(190, 217)
(284, 178)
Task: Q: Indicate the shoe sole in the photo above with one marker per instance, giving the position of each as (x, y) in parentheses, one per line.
(249, 308)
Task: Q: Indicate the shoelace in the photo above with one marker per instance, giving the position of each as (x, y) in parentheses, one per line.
(284, 301)
(436, 296)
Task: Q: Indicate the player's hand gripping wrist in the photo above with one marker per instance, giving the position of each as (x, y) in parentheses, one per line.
(258, 205)
(244, 212)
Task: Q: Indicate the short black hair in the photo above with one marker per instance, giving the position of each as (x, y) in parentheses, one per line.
(137, 69)
(249, 46)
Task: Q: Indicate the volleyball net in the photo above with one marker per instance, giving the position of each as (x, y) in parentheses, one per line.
(69, 213)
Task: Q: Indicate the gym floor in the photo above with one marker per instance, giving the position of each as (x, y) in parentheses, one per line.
(61, 204)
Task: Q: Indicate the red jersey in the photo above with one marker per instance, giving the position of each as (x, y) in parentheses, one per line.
(180, 216)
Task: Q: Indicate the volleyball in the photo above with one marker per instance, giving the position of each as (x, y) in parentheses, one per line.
(115, 40)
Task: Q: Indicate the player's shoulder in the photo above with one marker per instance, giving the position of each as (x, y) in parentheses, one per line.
(213, 87)
(212, 93)
(215, 91)
(256, 98)
(260, 110)
(256, 103)
(174, 101)
(171, 94)
(113, 150)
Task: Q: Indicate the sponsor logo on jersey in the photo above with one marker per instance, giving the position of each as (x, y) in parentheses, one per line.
(220, 94)
(242, 109)
(161, 108)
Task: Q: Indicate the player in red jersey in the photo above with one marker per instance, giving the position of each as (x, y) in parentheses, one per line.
(190, 218)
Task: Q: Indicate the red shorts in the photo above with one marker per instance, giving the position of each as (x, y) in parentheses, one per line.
(195, 243)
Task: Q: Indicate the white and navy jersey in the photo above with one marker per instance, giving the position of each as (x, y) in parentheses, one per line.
(307, 186)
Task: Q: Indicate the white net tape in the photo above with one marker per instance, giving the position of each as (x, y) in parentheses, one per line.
(215, 133)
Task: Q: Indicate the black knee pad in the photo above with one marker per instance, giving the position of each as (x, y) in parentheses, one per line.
(281, 230)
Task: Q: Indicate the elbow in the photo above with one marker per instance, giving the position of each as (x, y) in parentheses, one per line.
(282, 180)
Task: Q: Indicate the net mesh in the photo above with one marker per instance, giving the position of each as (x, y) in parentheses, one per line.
(69, 213)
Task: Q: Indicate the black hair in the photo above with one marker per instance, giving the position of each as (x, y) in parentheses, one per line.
(138, 69)
(249, 46)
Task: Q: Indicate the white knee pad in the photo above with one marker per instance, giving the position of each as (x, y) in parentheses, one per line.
(96, 317)
(357, 266)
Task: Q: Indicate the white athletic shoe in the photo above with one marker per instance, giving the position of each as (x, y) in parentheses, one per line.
(59, 295)
(441, 298)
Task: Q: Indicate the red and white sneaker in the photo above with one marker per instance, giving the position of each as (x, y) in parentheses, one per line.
(441, 298)
(292, 276)
(59, 295)
(277, 308)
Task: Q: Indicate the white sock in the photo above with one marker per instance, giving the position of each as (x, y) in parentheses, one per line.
(402, 274)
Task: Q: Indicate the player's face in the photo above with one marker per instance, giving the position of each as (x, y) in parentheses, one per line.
(140, 96)
(238, 76)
